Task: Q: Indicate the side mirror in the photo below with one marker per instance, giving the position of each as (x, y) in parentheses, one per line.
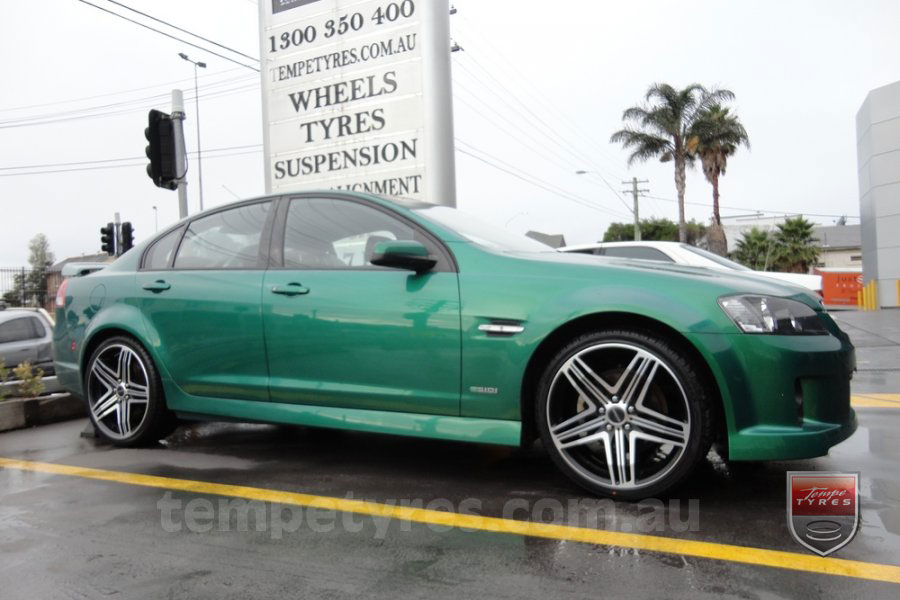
(403, 254)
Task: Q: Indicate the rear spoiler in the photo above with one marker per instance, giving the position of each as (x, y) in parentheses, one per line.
(82, 269)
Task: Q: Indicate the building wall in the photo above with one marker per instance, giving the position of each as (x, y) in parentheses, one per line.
(878, 156)
(840, 258)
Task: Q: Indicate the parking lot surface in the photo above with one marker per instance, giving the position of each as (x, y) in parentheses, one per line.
(238, 511)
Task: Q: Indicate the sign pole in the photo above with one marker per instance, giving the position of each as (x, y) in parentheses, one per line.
(440, 165)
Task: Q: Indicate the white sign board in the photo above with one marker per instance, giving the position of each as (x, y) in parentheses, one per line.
(343, 93)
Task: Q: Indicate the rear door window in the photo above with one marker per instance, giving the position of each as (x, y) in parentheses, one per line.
(228, 239)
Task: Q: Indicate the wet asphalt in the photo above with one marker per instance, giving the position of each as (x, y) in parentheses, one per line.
(70, 537)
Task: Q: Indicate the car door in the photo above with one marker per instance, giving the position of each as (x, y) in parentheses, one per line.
(199, 288)
(343, 332)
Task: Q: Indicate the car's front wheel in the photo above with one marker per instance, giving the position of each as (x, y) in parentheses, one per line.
(124, 394)
(623, 413)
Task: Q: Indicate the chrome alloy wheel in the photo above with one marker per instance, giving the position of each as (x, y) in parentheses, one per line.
(118, 391)
(618, 415)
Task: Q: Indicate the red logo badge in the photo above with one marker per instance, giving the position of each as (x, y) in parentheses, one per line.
(823, 509)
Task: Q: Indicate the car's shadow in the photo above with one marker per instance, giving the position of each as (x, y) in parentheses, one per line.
(390, 469)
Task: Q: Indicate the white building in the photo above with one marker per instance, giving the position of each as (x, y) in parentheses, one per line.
(878, 156)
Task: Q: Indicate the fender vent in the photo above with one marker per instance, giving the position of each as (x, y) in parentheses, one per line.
(501, 327)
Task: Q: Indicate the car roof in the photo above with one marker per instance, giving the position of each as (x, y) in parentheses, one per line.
(9, 314)
(646, 244)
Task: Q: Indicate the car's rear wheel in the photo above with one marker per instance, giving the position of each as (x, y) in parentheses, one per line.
(623, 413)
(124, 394)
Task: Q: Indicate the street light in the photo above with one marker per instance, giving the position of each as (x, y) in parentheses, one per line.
(156, 218)
(202, 65)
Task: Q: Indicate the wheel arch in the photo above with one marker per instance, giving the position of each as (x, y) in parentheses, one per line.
(615, 320)
(102, 334)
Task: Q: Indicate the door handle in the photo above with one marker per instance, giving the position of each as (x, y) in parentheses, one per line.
(291, 289)
(157, 286)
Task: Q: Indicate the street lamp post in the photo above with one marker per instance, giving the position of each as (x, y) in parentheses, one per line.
(156, 218)
(202, 65)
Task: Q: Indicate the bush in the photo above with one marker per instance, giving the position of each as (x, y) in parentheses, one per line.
(32, 380)
(4, 377)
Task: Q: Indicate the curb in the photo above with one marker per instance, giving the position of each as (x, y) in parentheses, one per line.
(18, 413)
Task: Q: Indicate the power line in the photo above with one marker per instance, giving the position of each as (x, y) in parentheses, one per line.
(762, 210)
(531, 179)
(200, 37)
(121, 92)
(534, 146)
(535, 92)
(106, 160)
(124, 111)
(97, 165)
(145, 26)
(209, 89)
(541, 126)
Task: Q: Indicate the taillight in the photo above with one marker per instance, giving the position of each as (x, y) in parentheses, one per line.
(61, 294)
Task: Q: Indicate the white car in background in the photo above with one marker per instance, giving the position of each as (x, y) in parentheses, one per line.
(683, 254)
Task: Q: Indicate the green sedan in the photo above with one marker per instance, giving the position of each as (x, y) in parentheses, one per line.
(359, 312)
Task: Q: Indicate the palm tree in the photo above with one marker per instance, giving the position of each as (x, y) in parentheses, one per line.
(754, 249)
(797, 249)
(716, 135)
(661, 128)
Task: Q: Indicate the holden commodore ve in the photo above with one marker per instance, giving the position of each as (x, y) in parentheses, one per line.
(360, 312)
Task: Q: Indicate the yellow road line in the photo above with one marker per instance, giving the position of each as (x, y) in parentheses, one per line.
(651, 543)
(876, 400)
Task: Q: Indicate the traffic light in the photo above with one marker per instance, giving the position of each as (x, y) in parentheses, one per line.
(108, 239)
(127, 236)
(162, 169)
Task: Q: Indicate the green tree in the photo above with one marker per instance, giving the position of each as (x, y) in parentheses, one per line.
(661, 128)
(796, 248)
(32, 285)
(718, 135)
(662, 230)
(755, 249)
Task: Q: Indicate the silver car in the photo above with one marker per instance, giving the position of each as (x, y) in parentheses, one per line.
(26, 335)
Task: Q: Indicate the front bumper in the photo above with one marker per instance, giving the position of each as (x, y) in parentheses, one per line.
(785, 397)
(811, 439)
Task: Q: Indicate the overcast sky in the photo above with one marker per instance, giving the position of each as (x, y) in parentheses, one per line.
(540, 89)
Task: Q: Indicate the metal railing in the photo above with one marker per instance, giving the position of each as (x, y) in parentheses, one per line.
(24, 286)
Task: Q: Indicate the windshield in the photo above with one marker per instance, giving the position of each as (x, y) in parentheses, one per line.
(479, 232)
(730, 264)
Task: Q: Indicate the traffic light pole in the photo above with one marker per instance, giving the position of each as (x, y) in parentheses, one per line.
(180, 161)
(118, 222)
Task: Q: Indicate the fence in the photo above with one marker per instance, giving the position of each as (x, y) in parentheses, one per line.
(23, 286)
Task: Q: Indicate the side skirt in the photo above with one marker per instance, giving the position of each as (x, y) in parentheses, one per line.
(464, 429)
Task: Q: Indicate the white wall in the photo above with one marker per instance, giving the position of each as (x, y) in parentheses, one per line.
(878, 155)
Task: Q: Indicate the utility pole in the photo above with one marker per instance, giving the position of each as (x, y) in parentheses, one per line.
(180, 156)
(635, 192)
(440, 168)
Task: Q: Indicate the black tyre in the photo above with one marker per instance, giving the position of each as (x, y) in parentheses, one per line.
(623, 414)
(124, 394)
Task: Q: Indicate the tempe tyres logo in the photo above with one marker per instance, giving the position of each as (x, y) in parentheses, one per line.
(823, 509)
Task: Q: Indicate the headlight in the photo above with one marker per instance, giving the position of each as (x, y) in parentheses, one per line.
(767, 314)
